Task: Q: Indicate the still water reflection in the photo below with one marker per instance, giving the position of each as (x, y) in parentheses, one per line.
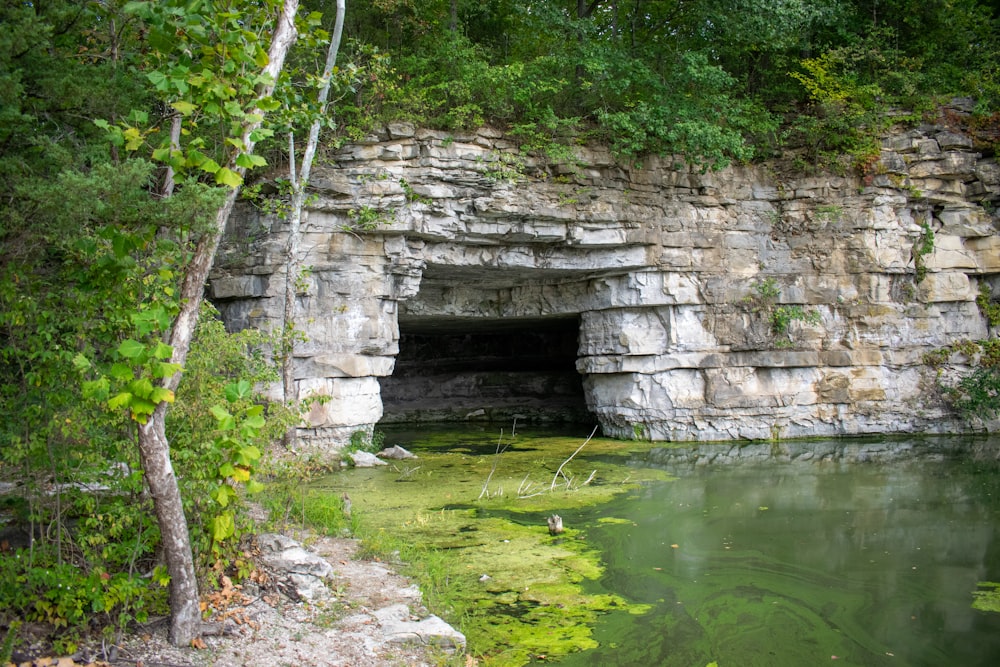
(821, 555)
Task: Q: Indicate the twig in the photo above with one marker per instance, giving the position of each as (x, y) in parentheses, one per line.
(496, 462)
(559, 471)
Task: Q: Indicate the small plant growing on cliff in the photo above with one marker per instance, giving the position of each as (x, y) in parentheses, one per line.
(987, 306)
(924, 247)
(783, 316)
(366, 219)
(829, 214)
(412, 196)
(505, 167)
(780, 318)
(975, 395)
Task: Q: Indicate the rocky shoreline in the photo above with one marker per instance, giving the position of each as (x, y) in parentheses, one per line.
(312, 601)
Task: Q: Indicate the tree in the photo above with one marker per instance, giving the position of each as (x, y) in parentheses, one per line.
(208, 66)
(299, 183)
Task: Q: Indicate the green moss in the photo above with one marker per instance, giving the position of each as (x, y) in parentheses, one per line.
(482, 551)
(988, 599)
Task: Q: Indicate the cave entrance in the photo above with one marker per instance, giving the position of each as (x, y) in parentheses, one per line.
(484, 369)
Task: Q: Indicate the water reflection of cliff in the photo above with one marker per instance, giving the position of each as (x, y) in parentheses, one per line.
(826, 451)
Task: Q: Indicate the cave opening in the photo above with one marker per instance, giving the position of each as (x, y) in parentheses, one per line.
(453, 369)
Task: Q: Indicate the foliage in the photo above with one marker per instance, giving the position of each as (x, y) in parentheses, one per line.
(706, 79)
(218, 432)
(976, 395)
(366, 218)
(987, 306)
(924, 247)
(362, 442)
(779, 317)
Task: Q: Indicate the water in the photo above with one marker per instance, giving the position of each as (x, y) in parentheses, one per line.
(790, 554)
(795, 562)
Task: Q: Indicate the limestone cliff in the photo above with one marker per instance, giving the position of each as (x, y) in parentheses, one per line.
(451, 277)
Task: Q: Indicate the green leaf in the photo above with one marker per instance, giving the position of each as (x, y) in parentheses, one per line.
(195, 158)
(159, 80)
(133, 138)
(162, 351)
(260, 58)
(253, 486)
(209, 166)
(161, 395)
(131, 349)
(223, 527)
(121, 372)
(227, 470)
(248, 161)
(228, 177)
(119, 400)
(81, 363)
(184, 108)
(141, 387)
(161, 154)
(249, 454)
(255, 422)
(268, 104)
(165, 370)
(96, 389)
(141, 408)
(220, 413)
(239, 390)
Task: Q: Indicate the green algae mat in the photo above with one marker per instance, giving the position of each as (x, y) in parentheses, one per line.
(472, 512)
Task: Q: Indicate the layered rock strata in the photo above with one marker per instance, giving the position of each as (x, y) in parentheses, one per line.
(667, 303)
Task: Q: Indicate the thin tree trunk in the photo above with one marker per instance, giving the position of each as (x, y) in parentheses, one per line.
(299, 184)
(154, 448)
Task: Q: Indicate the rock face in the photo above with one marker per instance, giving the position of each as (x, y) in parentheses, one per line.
(451, 277)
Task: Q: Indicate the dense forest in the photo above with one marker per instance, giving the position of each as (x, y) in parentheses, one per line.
(128, 128)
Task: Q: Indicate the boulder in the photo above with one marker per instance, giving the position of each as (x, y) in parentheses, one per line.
(399, 626)
(301, 573)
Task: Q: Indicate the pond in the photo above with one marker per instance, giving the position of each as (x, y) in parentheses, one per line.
(791, 553)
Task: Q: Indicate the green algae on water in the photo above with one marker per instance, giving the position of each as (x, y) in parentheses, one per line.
(475, 504)
(988, 599)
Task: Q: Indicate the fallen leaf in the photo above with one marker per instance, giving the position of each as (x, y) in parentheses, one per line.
(198, 643)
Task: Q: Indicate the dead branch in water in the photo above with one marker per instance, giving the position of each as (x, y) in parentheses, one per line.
(560, 472)
(496, 462)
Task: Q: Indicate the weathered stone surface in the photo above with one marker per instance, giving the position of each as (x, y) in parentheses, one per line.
(398, 625)
(727, 305)
(303, 573)
(365, 460)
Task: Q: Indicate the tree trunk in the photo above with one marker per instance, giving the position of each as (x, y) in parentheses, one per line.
(154, 452)
(299, 183)
(185, 623)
